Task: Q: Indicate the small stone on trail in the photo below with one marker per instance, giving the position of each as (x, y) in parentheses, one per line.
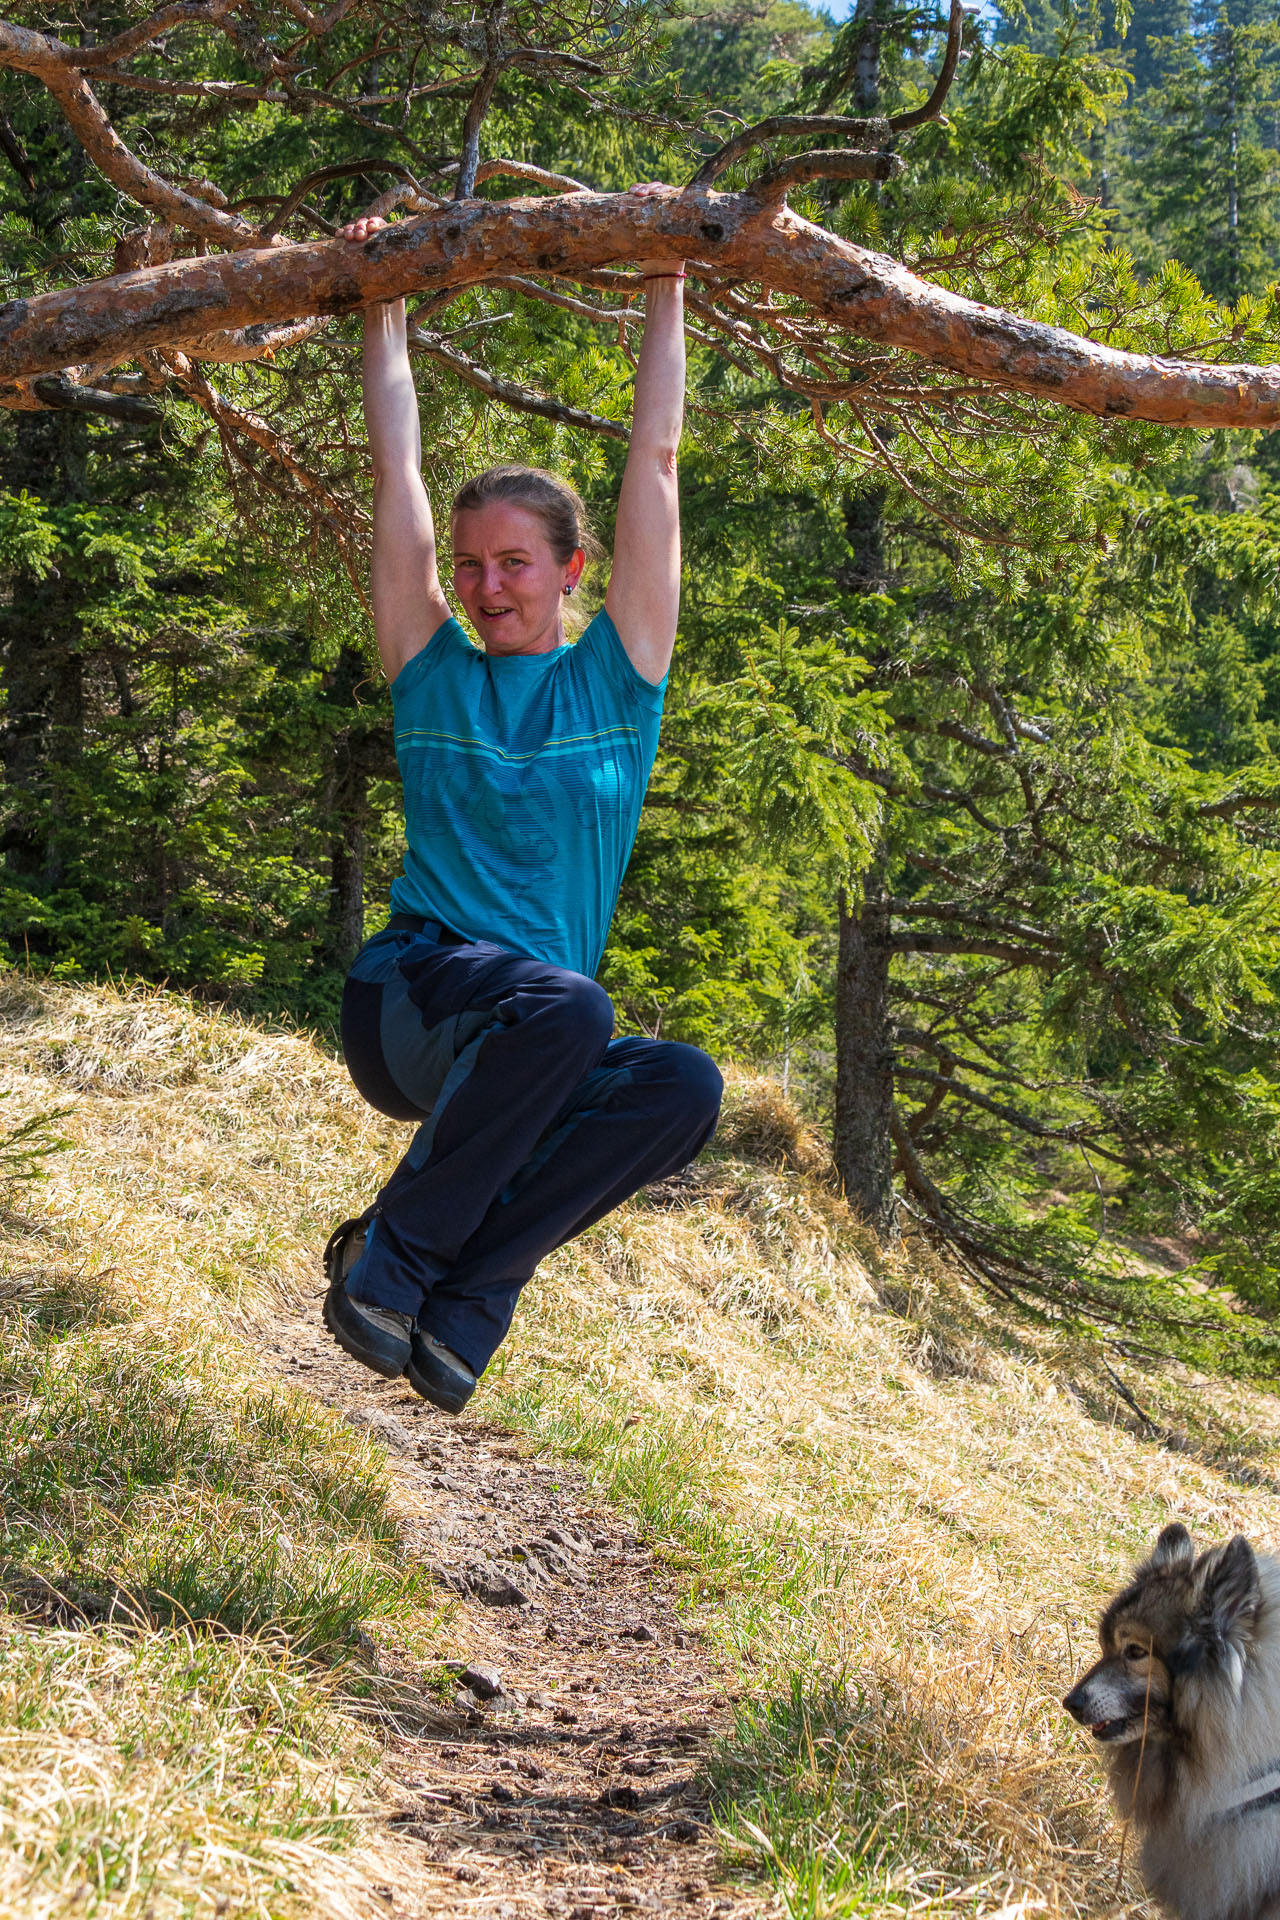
(385, 1425)
(541, 1700)
(486, 1682)
(466, 1873)
(495, 1588)
(559, 1538)
(640, 1631)
(625, 1797)
(500, 1792)
(566, 1716)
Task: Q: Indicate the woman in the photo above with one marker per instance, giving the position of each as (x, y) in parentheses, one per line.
(524, 767)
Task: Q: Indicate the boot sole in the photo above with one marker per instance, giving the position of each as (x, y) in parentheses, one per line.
(433, 1384)
(349, 1341)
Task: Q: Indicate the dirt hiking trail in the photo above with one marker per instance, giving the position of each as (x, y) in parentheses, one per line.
(565, 1777)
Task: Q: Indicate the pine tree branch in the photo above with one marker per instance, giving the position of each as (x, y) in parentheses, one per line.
(824, 163)
(1233, 803)
(908, 909)
(1079, 1135)
(16, 154)
(978, 949)
(55, 65)
(185, 13)
(955, 730)
(345, 522)
(55, 391)
(478, 105)
(788, 126)
(508, 392)
(932, 108)
(577, 235)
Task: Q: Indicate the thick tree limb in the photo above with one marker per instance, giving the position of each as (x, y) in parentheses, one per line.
(54, 65)
(185, 13)
(1233, 803)
(63, 395)
(16, 154)
(789, 126)
(824, 163)
(575, 235)
(932, 108)
(239, 344)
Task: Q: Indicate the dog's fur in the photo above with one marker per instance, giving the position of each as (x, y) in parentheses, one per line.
(1186, 1702)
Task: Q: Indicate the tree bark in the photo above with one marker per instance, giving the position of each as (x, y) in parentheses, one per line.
(42, 734)
(864, 1060)
(101, 323)
(361, 753)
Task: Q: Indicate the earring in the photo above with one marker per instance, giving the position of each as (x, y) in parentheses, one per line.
(568, 590)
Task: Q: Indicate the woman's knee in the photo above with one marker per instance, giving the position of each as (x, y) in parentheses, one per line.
(697, 1084)
(581, 1009)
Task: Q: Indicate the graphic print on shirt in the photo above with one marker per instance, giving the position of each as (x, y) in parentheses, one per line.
(523, 780)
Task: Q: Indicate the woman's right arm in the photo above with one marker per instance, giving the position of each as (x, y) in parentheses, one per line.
(408, 601)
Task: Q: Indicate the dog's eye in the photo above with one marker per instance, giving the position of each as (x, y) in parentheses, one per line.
(1133, 1651)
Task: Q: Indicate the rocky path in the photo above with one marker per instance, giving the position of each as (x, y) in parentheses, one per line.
(565, 1776)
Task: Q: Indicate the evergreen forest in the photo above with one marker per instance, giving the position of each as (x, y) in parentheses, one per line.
(966, 820)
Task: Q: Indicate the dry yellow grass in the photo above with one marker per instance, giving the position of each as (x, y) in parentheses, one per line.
(937, 1501)
(153, 1769)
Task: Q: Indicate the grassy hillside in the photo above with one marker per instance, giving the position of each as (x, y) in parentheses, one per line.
(896, 1513)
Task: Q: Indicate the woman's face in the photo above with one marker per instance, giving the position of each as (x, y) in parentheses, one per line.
(508, 579)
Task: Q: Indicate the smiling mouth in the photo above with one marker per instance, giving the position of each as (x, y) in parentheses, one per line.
(495, 613)
(1108, 1729)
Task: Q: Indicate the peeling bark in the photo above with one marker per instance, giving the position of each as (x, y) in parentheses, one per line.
(858, 292)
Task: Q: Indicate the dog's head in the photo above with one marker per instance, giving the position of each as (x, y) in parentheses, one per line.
(1181, 1626)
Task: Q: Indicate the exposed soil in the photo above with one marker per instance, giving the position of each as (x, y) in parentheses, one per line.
(574, 1788)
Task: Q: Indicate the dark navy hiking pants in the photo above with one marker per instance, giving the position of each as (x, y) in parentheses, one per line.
(534, 1123)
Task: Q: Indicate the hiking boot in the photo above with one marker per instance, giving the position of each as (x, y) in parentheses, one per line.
(438, 1374)
(378, 1336)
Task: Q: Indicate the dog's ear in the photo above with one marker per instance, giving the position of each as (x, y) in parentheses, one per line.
(1230, 1590)
(1173, 1552)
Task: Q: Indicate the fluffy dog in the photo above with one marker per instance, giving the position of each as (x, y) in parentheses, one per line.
(1186, 1702)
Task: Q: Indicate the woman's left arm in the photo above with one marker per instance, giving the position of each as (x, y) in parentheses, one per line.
(643, 599)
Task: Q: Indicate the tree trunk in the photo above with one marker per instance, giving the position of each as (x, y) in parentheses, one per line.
(43, 728)
(864, 1059)
(344, 928)
(864, 1033)
(870, 15)
(361, 753)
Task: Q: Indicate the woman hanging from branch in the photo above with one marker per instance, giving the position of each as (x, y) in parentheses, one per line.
(524, 763)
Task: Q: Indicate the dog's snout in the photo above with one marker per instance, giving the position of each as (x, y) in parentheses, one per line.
(1074, 1704)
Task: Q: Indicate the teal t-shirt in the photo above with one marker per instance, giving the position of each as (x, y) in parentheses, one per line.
(523, 779)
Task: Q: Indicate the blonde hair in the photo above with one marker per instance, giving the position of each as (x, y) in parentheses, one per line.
(556, 503)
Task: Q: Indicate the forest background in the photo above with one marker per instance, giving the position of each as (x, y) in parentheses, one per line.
(964, 819)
